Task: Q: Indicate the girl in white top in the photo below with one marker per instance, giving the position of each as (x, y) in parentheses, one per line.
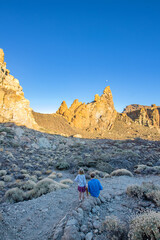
(81, 183)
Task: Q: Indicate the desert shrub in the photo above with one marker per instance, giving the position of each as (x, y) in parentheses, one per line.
(130, 153)
(62, 165)
(64, 181)
(33, 178)
(134, 191)
(38, 173)
(45, 186)
(100, 173)
(143, 169)
(121, 172)
(140, 168)
(3, 172)
(145, 226)
(2, 184)
(59, 175)
(15, 195)
(106, 175)
(105, 167)
(26, 175)
(154, 196)
(24, 171)
(149, 186)
(28, 185)
(7, 178)
(147, 190)
(53, 175)
(48, 171)
(115, 229)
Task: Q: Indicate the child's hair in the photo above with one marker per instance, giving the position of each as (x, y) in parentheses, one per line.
(92, 174)
(81, 171)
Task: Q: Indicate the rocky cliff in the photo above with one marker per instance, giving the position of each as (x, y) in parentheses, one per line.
(144, 115)
(98, 115)
(13, 105)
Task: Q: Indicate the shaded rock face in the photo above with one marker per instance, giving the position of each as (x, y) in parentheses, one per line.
(98, 115)
(144, 115)
(13, 105)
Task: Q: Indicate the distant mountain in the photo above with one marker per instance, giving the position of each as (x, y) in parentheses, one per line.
(96, 119)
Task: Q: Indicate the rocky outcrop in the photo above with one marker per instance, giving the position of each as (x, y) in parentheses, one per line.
(13, 105)
(144, 115)
(98, 115)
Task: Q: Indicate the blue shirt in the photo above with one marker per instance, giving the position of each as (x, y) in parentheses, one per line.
(94, 187)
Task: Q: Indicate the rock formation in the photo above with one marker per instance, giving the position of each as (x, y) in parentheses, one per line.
(144, 115)
(98, 115)
(13, 105)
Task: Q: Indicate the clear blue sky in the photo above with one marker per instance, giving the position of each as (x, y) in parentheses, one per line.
(63, 50)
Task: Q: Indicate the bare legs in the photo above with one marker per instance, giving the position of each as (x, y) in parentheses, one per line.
(81, 196)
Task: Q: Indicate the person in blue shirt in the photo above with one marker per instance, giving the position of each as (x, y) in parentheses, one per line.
(94, 186)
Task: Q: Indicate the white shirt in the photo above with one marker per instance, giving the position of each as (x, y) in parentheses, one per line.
(81, 180)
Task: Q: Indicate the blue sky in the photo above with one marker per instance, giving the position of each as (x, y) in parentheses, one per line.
(63, 50)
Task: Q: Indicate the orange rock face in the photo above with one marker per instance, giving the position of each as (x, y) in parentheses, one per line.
(1, 56)
(13, 105)
(144, 115)
(97, 115)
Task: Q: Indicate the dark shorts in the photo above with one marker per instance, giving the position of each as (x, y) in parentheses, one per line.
(81, 189)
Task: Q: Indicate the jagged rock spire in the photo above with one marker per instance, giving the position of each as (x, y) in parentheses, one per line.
(1, 56)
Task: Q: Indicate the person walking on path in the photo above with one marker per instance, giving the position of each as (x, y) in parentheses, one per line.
(94, 186)
(81, 179)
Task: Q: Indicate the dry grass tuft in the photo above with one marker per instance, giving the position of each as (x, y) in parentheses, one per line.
(65, 181)
(53, 175)
(121, 172)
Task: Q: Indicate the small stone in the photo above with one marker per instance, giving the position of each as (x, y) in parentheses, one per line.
(84, 229)
(72, 221)
(110, 209)
(96, 224)
(89, 236)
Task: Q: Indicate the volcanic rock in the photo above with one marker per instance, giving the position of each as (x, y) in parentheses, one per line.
(13, 105)
(97, 115)
(144, 115)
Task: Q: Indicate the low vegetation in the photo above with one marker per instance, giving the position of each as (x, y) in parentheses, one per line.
(44, 186)
(114, 228)
(147, 191)
(121, 172)
(145, 226)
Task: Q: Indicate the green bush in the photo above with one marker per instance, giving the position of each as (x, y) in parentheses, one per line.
(62, 165)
